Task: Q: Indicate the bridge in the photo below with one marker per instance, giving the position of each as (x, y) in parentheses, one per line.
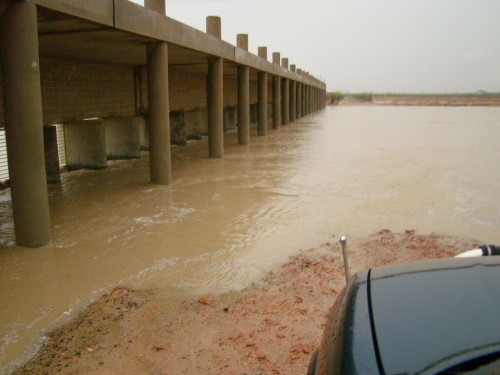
(84, 81)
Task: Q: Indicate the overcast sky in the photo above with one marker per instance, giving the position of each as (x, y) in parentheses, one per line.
(368, 45)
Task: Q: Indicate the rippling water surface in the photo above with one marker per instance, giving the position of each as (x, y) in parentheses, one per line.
(224, 223)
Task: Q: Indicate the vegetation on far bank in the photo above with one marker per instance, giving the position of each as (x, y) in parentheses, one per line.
(338, 96)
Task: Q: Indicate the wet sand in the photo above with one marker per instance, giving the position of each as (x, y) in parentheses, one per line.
(270, 327)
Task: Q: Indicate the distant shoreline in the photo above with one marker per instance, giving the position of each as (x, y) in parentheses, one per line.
(450, 100)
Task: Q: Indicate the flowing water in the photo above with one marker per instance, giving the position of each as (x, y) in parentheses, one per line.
(223, 223)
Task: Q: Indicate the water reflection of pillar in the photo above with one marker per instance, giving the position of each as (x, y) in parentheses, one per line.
(159, 117)
(262, 96)
(243, 95)
(215, 95)
(23, 123)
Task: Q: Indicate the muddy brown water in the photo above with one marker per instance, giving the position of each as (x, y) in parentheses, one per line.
(224, 223)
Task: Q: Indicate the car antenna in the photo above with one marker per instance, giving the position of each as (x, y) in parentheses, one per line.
(343, 243)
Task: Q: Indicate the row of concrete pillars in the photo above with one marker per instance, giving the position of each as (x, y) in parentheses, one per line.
(24, 121)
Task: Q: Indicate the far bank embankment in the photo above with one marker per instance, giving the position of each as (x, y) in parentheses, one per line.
(458, 100)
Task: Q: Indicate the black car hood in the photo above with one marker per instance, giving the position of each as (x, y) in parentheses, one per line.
(437, 314)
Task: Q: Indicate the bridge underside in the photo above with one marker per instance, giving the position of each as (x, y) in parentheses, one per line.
(119, 78)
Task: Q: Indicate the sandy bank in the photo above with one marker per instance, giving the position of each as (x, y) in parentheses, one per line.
(270, 327)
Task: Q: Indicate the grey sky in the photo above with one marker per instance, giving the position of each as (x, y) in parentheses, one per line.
(368, 45)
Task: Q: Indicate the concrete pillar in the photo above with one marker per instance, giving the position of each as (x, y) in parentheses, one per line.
(242, 41)
(214, 26)
(160, 165)
(311, 99)
(293, 100)
(215, 103)
(243, 95)
(24, 122)
(286, 101)
(304, 100)
(262, 94)
(157, 5)
(276, 94)
(299, 100)
(85, 144)
(276, 102)
(51, 155)
(243, 105)
(215, 108)
(284, 62)
(123, 138)
(276, 58)
(308, 96)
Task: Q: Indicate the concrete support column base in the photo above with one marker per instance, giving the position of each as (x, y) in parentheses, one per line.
(123, 137)
(51, 155)
(178, 134)
(85, 145)
(196, 123)
(230, 118)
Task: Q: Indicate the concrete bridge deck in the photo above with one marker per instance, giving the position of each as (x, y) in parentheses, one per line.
(145, 80)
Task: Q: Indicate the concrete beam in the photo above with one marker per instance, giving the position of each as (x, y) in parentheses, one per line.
(137, 20)
(98, 11)
(156, 5)
(23, 123)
